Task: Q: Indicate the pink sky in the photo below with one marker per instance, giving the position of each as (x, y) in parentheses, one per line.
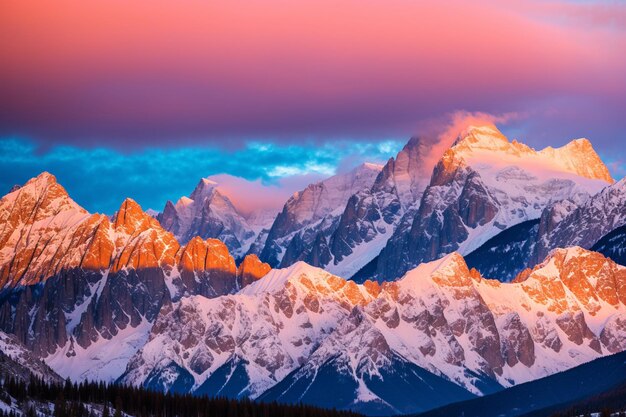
(115, 68)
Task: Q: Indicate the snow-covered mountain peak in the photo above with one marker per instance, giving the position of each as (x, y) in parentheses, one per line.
(312, 213)
(407, 173)
(204, 188)
(561, 258)
(486, 136)
(207, 193)
(43, 178)
(184, 201)
(131, 218)
(276, 279)
(208, 182)
(46, 193)
(370, 166)
(208, 213)
(578, 157)
(300, 328)
(311, 282)
(575, 276)
(38, 212)
(570, 253)
(519, 181)
(450, 270)
(487, 146)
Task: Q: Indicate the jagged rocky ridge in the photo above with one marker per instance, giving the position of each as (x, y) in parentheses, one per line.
(371, 215)
(378, 222)
(482, 185)
(83, 290)
(291, 332)
(595, 223)
(302, 230)
(360, 223)
(209, 213)
(582, 224)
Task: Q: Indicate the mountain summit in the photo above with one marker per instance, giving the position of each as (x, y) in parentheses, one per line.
(482, 185)
(208, 213)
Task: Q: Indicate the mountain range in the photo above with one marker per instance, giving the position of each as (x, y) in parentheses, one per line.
(380, 221)
(431, 279)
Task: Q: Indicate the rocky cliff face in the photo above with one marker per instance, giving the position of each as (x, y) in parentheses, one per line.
(597, 223)
(361, 221)
(312, 215)
(441, 321)
(251, 270)
(485, 184)
(83, 290)
(38, 222)
(99, 297)
(208, 213)
(371, 216)
(581, 223)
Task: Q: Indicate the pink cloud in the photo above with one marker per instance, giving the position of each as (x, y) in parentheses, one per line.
(252, 195)
(601, 14)
(442, 131)
(76, 69)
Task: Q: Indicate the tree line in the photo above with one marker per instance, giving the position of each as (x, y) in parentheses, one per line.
(73, 399)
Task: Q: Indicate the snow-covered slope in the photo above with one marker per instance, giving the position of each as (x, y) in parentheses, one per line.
(240, 345)
(366, 374)
(441, 322)
(485, 184)
(596, 223)
(372, 215)
(21, 362)
(310, 216)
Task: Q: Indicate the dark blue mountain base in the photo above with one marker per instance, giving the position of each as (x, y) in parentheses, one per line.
(183, 383)
(546, 396)
(367, 272)
(229, 380)
(613, 245)
(401, 388)
(507, 254)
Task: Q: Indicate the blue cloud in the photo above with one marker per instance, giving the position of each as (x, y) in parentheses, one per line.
(100, 178)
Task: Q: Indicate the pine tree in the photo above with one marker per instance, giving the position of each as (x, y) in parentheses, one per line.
(118, 407)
